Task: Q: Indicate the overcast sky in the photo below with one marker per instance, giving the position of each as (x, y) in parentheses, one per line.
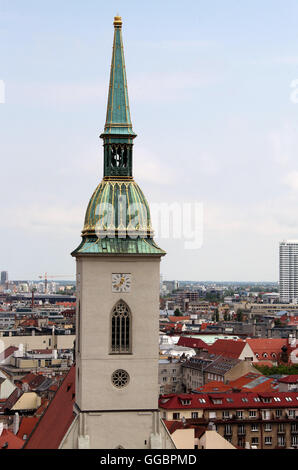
(213, 101)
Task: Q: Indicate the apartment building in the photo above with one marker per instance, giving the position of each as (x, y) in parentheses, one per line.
(170, 376)
(245, 419)
(199, 370)
(288, 271)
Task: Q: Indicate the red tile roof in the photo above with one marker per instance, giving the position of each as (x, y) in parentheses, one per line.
(26, 426)
(227, 347)
(289, 379)
(239, 400)
(215, 386)
(33, 380)
(269, 348)
(173, 326)
(44, 404)
(29, 322)
(66, 304)
(172, 426)
(12, 441)
(12, 399)
(175, 318)
(7, 352)
(192, 342)
(255, 383)
(57, 418)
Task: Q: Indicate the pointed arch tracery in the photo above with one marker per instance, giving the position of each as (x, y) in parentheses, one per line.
(121, 328)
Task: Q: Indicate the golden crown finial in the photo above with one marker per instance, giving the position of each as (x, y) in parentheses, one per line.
(117, 21)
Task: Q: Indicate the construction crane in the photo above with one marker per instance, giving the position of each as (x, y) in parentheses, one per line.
(45, 276)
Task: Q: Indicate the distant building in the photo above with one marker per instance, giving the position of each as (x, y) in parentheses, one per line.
(4, 277)
(288, 271)
(170, 286)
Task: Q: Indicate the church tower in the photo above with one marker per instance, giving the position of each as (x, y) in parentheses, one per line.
(118, 273)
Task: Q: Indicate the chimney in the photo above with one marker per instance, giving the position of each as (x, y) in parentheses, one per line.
(16, 423)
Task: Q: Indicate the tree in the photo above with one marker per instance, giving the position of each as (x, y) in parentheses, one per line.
(239, 315)
(215, 317)
(177, 313)
(281, 369)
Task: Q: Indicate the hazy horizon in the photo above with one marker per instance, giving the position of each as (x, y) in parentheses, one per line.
(213, 98)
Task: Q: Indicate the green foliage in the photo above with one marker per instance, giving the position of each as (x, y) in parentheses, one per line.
(212, 297)
(215, 316)
(278, 370)
(177, 313)
(239, 315)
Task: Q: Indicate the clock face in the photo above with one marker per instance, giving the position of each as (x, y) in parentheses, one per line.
(121, 282)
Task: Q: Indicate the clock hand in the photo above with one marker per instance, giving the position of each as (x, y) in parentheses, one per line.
(121, 282)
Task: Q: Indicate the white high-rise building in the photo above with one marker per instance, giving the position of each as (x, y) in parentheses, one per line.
(288, 271)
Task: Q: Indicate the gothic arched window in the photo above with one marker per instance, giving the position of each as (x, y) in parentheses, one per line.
(121, 329)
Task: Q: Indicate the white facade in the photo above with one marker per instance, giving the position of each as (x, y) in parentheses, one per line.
(288, 271)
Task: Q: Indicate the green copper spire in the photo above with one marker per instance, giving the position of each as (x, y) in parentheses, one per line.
(117, 219)
(118, 134)
(118, 114)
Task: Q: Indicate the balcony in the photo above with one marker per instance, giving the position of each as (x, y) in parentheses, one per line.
(241, 432)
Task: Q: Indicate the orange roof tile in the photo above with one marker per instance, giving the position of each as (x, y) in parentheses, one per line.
(176, 318)
(57, 418)
(26, 426)
(227, 347)
(214, 386)
(267, 345)
(9, 441)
